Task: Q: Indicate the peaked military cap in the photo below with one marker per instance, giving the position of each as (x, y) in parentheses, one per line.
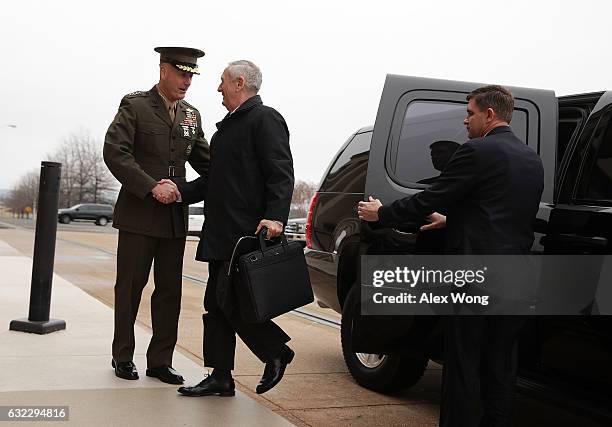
(183, 58)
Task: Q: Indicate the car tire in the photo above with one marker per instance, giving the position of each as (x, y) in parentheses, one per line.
(65, 219)
(383, 373)
(102, 221)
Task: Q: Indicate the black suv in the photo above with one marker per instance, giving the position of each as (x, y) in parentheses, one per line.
(100, 214)
(565, 356)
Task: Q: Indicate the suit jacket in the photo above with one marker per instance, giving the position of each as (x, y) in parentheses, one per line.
(141, 145)
(490, 192)
(250, 178)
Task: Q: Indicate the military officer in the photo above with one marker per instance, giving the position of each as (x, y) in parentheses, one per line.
(152, 136)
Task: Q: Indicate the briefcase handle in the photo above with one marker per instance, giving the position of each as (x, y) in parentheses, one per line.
(262, 246)
(262, 242)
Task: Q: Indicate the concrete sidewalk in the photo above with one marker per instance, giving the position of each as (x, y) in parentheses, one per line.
(72, 367)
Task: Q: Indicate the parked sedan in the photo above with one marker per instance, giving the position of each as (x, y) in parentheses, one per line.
(100, 214)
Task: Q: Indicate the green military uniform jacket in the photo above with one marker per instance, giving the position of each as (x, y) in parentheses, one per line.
(142, 146)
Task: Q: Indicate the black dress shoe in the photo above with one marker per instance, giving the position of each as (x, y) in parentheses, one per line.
(125, 370)
(166, 374)
(274, 371)
(210, 386)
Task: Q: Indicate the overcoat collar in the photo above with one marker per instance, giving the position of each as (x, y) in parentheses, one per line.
(246, 106)
(499, 129)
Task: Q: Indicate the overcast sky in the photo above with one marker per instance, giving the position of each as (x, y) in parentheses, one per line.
(67, 64)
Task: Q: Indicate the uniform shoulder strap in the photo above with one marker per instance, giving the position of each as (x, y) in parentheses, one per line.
(137, 94)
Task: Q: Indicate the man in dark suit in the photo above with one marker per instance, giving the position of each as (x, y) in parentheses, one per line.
(249, 187)
(490, 192)
(152, 136)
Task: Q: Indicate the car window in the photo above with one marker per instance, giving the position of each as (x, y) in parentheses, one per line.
(596, 177)
(570, 122)
(431, 132)
(348, 173)
(196, 210)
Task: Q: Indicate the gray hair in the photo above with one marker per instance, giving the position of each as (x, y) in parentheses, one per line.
(248, 70)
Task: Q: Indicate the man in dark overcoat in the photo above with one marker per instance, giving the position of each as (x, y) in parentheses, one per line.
(152, 136)
(490, 191)
(249, 187)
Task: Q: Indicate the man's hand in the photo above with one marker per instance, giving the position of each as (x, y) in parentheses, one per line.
(436, 221)
(368, 211)
(173, 185)
(166, 192)
(275, 228)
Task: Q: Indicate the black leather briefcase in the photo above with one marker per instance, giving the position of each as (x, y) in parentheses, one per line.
(270, 280)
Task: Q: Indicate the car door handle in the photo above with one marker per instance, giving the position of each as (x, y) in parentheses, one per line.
(576, 239)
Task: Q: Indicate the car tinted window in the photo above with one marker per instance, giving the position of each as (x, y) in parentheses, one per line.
(431, 132)
(348, 173)
(196, 210)
(570, 122)
(596, 179)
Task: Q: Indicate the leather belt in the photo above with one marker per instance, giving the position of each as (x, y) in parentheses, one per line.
(167, 171)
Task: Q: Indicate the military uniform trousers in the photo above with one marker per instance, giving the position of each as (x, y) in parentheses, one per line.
(135, 254)
(480, 365)
(221, 325)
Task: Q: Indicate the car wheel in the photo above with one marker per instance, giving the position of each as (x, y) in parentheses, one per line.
(102, 221)
(379, 372)
(65, 219)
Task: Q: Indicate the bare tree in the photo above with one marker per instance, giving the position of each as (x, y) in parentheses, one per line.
(85, 178)
(22, 199)
(102, 181)
(82, 163)
(302, 193)
(65, 155)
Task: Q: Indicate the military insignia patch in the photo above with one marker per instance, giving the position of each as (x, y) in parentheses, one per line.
(135, 94)
(189, 123)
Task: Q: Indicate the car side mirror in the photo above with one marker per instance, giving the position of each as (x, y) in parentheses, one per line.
(77, 209)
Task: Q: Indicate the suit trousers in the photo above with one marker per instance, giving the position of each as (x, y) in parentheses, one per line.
(480, 366)
(135, 254)
(223, 321)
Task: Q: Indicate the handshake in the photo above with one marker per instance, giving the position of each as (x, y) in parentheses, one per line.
(166, 192)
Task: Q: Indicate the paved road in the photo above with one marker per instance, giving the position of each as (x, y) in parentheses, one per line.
(317, 389)
(83, 226)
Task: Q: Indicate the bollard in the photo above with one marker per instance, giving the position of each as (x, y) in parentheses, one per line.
(38, 321)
